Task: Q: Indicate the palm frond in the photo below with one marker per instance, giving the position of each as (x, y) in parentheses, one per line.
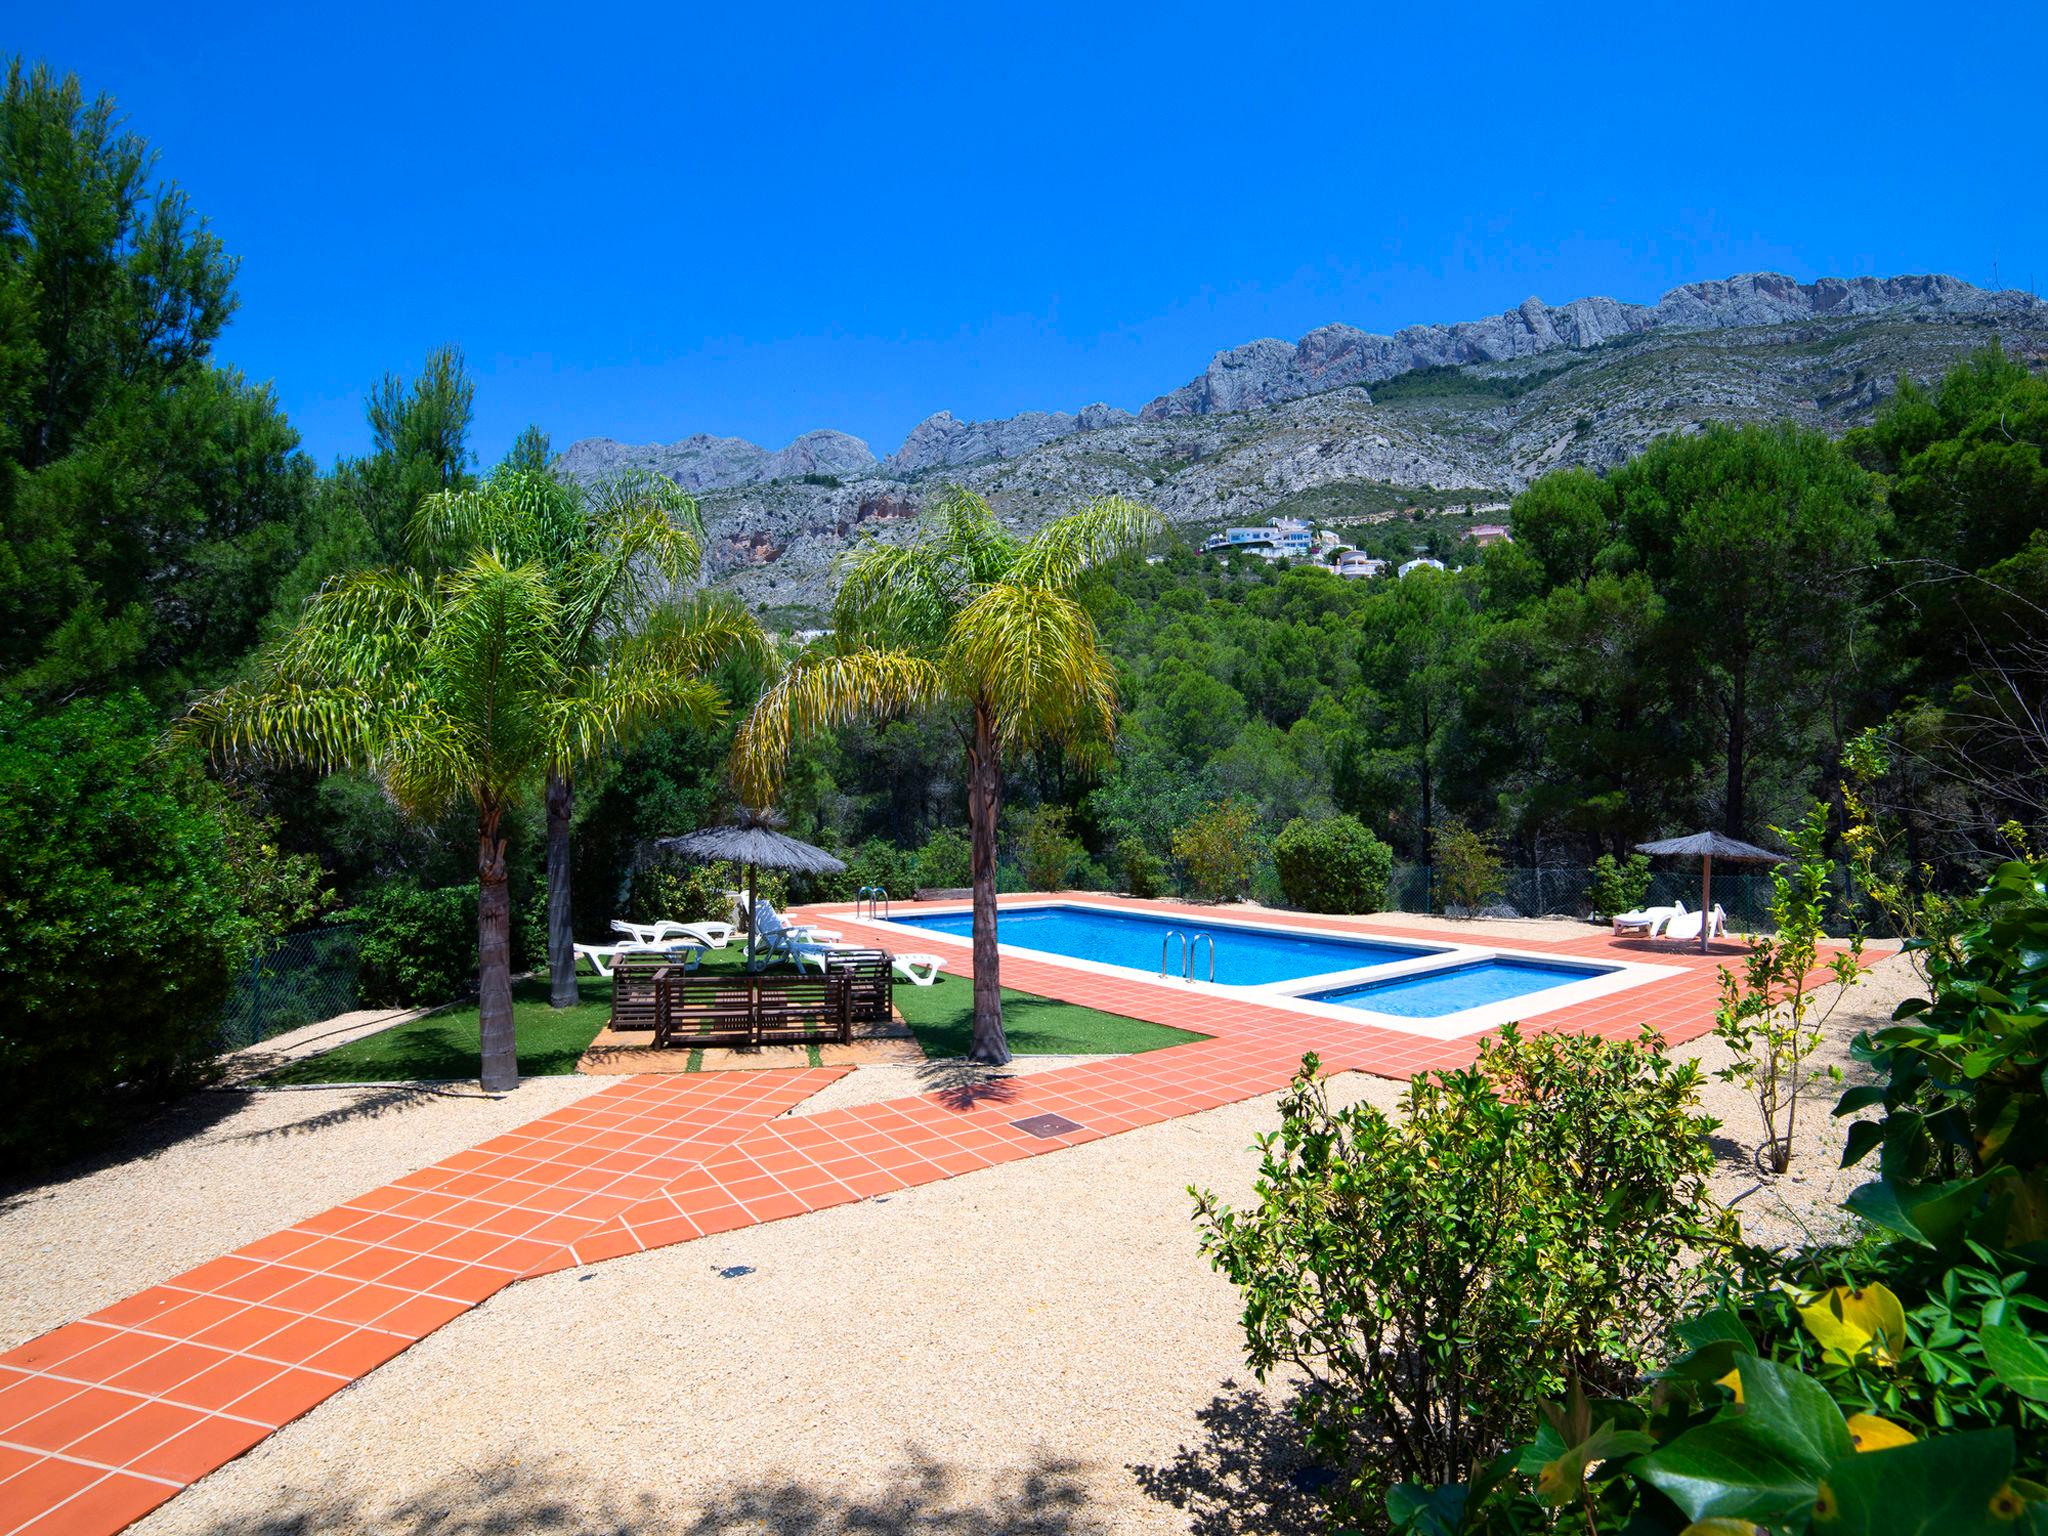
(276, 719)
(695, 635)
(1102, 530)
(517, 514)
(896, 595)
(1032, 655)
(970, 538)
(600, 709)
(823, 690)
(359, 630)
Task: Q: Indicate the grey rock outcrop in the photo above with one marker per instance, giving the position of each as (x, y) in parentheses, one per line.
(706, 463)
(943, 441)
(1269, 371)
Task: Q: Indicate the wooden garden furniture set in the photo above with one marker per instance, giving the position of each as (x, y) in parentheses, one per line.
(650, 992)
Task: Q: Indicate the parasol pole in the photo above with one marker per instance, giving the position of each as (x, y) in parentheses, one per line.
(1706, 899)
(752, 921)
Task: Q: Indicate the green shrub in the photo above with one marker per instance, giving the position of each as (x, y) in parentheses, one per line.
(879, 863)
(418, 944)
(1896, 1384)
(688, 893)
(1427, 1274)
(1046, 850)
(1468, 872)
(1220, 850)
(1139, 871)
(1618, 886)
(1332, 865)
(945, 862)
(121, 925)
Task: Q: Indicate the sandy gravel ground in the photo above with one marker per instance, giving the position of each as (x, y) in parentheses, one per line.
(224, 1168)
(1805, 1204)
(1036, 1347)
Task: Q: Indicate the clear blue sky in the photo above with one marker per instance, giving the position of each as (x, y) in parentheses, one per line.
(760, 219)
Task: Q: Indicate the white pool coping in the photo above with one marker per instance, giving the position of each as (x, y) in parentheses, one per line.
(1604, 978)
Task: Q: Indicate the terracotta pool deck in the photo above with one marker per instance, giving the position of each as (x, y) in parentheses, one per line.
(109, 1416)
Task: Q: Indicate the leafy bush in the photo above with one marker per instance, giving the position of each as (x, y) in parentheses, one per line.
(1046, 850)
(1618, 886)
(1895, 1385)
(879, 863)
(1332, 865)
(1220, 850)
(418, 944)
(1139, 871)
(685, 893)
(1468, 870)
(121, 924)
(1430, 1273)
(944, 863)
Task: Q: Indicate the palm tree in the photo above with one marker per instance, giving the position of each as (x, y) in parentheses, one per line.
(614, 554)
(969, 620)
(451, 684)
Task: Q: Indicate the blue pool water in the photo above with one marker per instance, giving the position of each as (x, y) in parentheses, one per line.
(1245, 957)
(1456, 988)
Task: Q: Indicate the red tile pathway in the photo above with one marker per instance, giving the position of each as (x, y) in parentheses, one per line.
(106, 1418)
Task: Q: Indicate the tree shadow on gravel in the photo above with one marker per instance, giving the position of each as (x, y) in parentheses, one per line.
(922, 1497)
(963, 1085)
(1248, 1473)
(198, 1116)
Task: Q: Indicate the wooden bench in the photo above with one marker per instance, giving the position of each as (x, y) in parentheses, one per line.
(633, 1000)
(750, 1010)
(872, 974)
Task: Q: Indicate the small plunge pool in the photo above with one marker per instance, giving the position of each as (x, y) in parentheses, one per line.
(1454, 988)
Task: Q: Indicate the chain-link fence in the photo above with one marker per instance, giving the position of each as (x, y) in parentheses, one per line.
(301, 979)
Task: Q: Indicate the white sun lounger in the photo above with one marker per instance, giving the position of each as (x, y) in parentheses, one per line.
(1648, 921)
(772, 929)
(668, 931)
(603, 957)
(918, 970)
(1687, 925)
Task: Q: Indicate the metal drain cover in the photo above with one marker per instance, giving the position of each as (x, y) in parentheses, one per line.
(1047, 1125)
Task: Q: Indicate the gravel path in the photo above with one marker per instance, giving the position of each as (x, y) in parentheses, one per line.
(1036, 1347)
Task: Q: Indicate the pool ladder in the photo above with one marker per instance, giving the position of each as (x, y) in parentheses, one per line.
(1187, 953)
(877, 899)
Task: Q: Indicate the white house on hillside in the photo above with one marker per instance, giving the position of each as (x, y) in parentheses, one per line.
(1352, 564)
(1285, 538)
(1420, 563)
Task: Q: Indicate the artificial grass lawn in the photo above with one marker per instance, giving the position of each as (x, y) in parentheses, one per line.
(446, 1044)
(941, 1016)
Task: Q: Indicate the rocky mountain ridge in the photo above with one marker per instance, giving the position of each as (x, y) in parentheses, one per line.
(1270, 371)
(1345, 425)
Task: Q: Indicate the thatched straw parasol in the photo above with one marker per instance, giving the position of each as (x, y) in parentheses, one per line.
(1707, 847)
(751, 839)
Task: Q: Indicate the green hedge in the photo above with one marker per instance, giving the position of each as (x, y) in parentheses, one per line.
(121, 923)
(1333, 865)
(418, 944)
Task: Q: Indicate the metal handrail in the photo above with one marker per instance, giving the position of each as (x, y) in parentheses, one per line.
(1201, 938)
(1170, 935)
(872, 894)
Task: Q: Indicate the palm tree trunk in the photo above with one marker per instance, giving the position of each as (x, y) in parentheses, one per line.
(561, 799)
(984, 805)
(500, 1071)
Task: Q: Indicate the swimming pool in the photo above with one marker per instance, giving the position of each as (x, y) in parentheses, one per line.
(1443, 989)
(1455, 988)
(1245, 956)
